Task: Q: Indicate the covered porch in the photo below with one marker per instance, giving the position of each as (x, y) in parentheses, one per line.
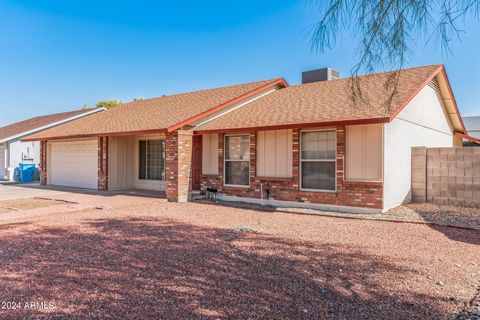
(136, 162)
(157, 163)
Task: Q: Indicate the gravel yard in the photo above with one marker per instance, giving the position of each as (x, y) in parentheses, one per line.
(439, 214)
(446, 215)
(198, 260)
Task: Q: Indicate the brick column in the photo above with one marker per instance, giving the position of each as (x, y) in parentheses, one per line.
(178, 161)
(103, 163)
(43, 162)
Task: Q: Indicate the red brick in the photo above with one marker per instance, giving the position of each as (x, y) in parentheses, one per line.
(358, 194)
(43, 162)
(178, 159)
(103, 163)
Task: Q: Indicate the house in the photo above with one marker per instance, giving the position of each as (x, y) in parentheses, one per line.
(472, 137)
(304, 145)
(14, 152)
(472, 124)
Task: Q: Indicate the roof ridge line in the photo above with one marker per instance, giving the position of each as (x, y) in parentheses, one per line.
(200, 90)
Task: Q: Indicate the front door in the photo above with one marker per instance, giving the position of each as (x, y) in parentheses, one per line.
(196, 162)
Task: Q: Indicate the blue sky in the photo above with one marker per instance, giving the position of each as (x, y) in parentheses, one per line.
(59, 55)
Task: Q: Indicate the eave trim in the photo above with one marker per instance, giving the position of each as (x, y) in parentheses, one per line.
(298, 125)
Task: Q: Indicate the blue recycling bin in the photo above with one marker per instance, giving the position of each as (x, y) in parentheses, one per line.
(27, 172)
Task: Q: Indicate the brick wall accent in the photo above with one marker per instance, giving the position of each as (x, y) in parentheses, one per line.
(452, 175)
(357, 194)
(103, 163)
(43, 162)
(178, 160)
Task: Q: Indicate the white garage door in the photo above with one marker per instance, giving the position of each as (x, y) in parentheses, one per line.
(74, 164)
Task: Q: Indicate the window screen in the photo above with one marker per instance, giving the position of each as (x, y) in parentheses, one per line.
(318, 163)
(237, 160)
(151, 160)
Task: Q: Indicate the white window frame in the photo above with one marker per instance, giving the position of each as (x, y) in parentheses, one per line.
(138, 159)
(318, 160)
(225, 160)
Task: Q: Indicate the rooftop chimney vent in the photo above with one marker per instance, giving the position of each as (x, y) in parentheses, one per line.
(322, 74)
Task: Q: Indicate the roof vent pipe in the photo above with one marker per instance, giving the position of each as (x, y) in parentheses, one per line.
(322, 74)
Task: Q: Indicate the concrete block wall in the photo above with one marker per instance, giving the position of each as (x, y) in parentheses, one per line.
(446, 175)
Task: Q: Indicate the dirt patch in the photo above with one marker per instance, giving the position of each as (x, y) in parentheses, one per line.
(28, 204)
(5, 210)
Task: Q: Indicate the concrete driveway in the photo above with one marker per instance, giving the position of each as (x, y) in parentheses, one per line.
(71, 199)
(28, 190)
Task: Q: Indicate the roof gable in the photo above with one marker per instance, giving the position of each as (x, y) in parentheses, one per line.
(439, 80)
(428, 110)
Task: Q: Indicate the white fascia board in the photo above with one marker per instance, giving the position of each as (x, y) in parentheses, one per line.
(26, 133)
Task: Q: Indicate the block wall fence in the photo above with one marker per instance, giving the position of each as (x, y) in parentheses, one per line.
(446, 175)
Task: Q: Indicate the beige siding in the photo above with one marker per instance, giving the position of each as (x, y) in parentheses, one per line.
(364, 153)
(121, 162)
(274, 153)
(210, 154)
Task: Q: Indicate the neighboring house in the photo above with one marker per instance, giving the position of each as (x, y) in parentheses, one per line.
(14, 152)
(303, 145)
(472, 124)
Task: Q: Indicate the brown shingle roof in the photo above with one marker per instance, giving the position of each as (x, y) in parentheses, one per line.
(324, 102)
(24, 126)
(153, 115)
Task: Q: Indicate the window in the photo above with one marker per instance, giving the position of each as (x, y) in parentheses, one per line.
(151, 163)
(318, 163)
(237, 160)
